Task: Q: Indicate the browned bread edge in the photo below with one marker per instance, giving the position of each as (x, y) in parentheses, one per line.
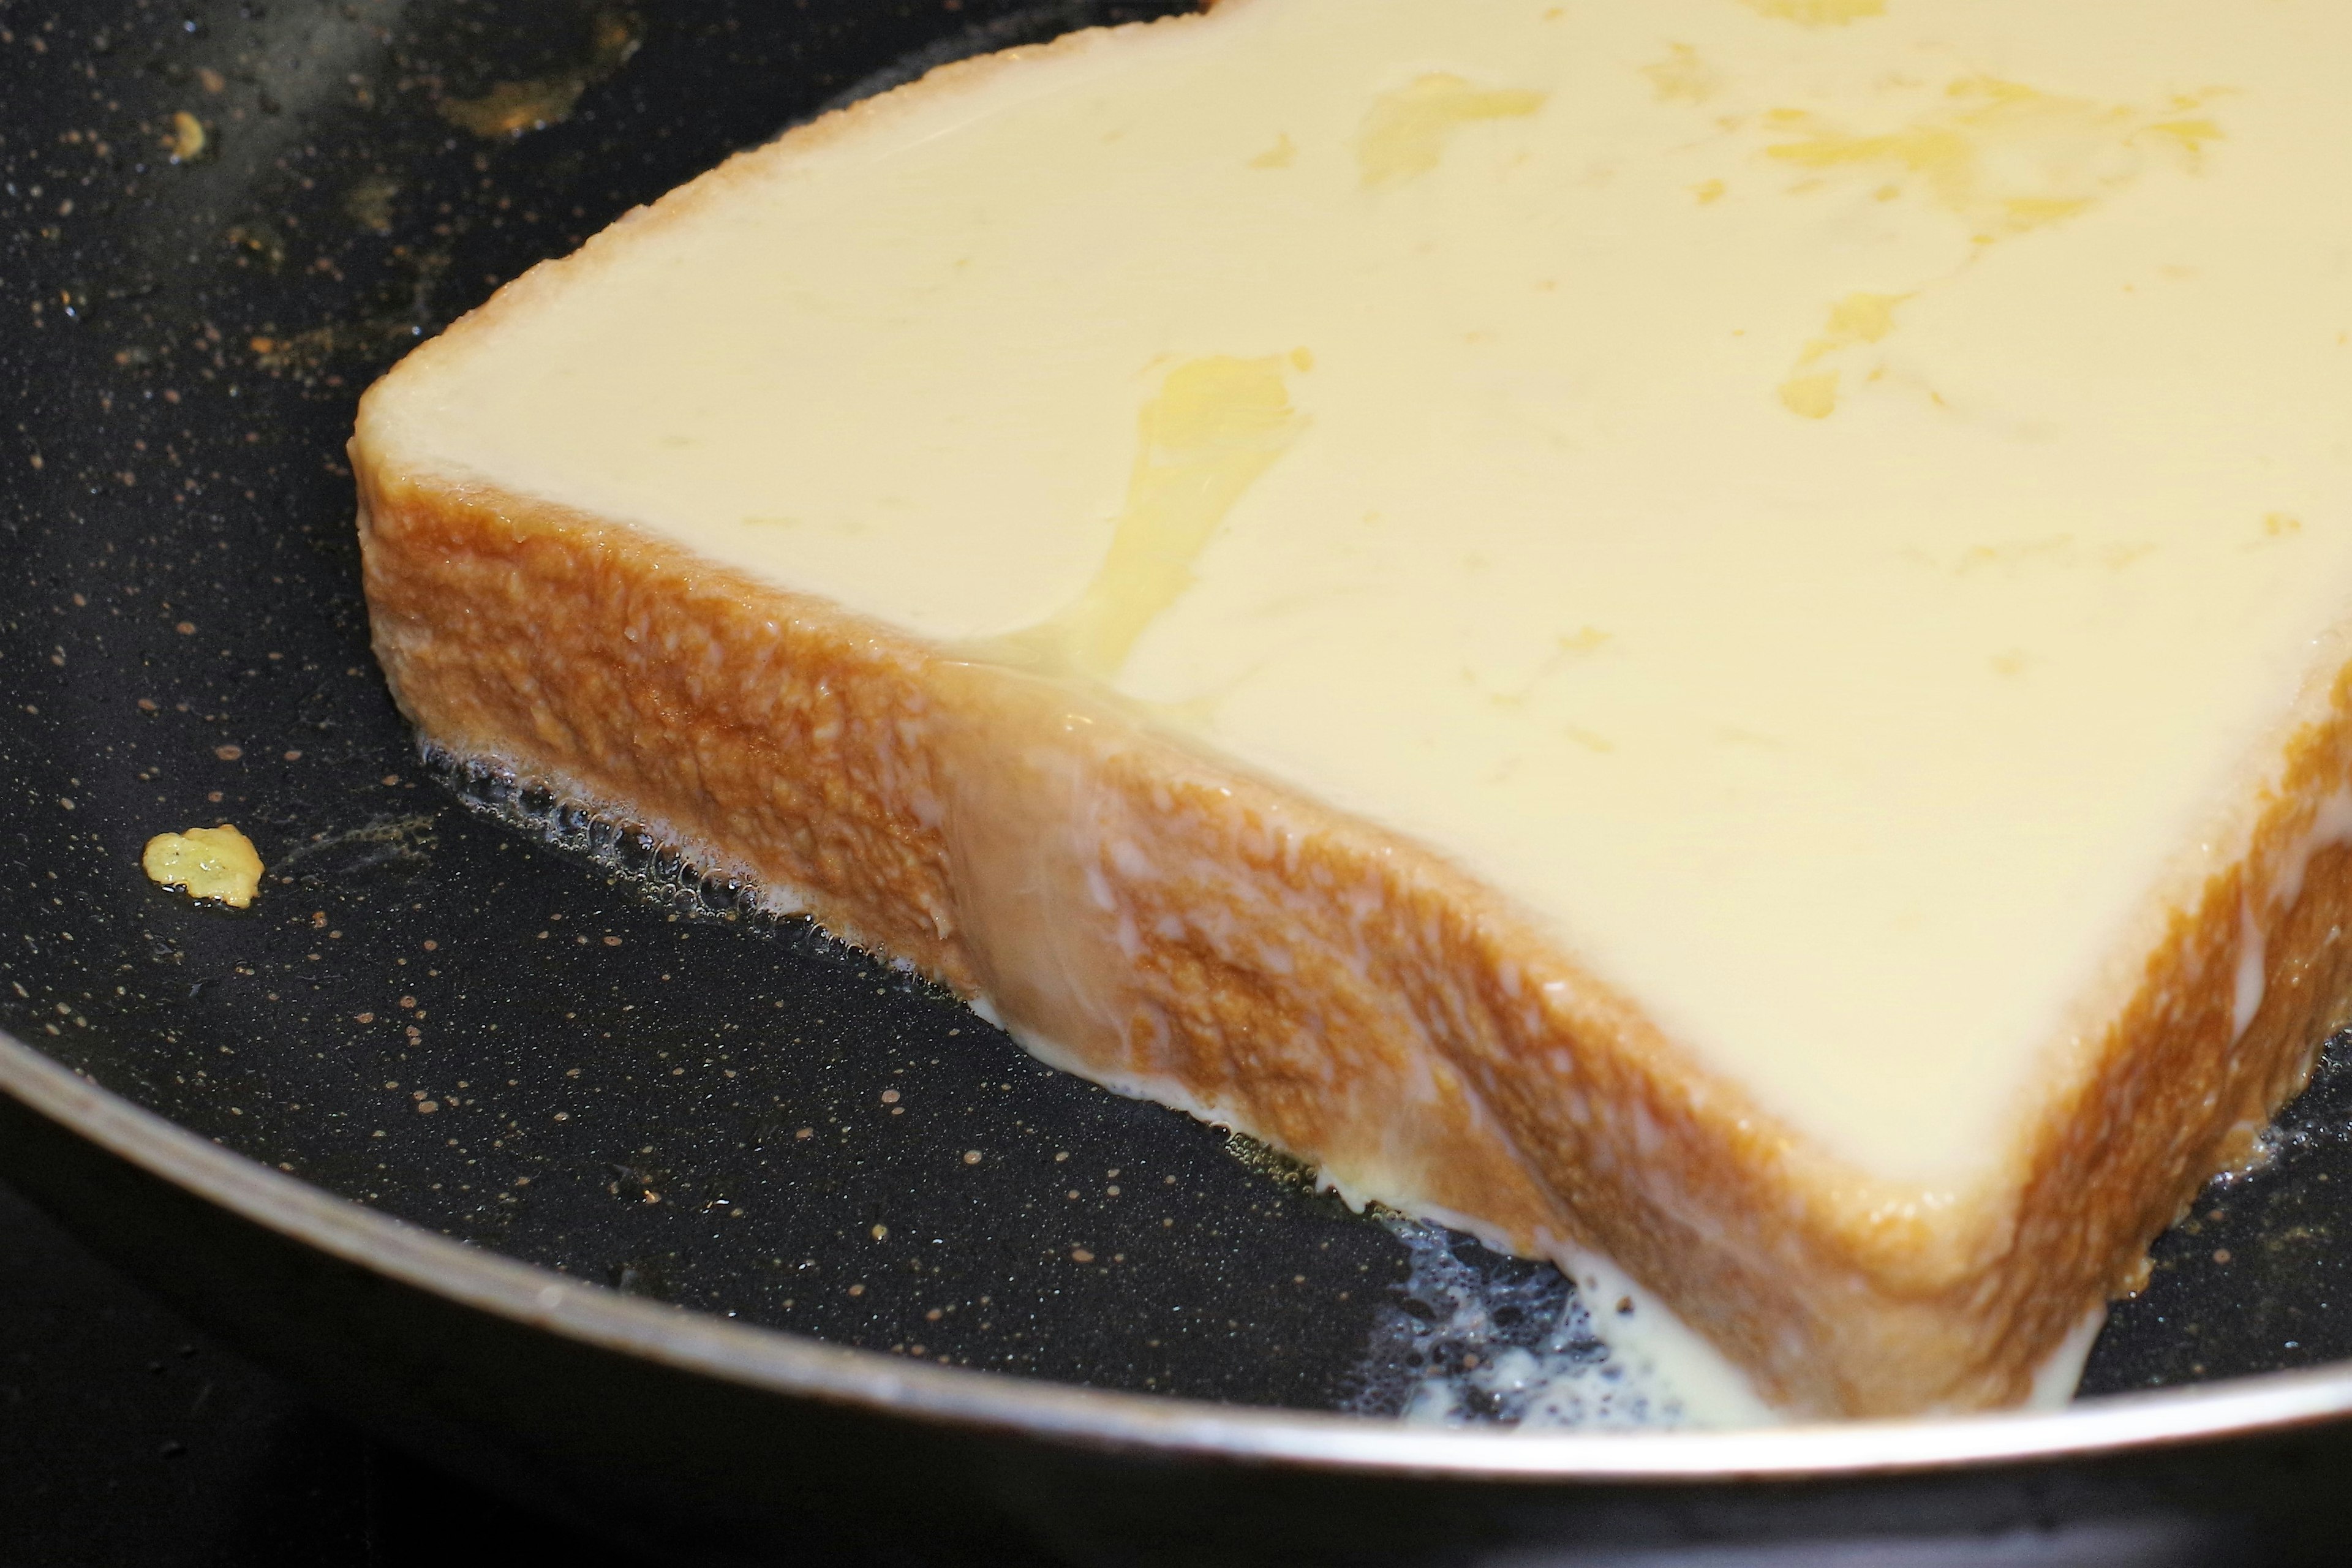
(1173, 927)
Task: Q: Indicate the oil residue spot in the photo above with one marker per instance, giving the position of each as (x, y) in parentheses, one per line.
(1475, 1337)
(511, 108)
(307, 356)
(260, 241)
(401, 843)
(369, 204)
(189, 141)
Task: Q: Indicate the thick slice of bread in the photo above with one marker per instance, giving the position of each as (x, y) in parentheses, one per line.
(1281, 551)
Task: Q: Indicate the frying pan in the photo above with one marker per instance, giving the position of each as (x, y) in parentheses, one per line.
(512, 1138)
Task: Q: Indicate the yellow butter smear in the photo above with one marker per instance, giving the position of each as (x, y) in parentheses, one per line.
(1817, 13)
(1405, 131)
(209, 862)
(1854, 321)
(1216, 425)
(1682, 75)
(2006, 157)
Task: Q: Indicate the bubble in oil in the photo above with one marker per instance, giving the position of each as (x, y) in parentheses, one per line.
(651, 865)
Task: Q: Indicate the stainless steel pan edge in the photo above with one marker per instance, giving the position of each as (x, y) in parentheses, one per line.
(796, 1367)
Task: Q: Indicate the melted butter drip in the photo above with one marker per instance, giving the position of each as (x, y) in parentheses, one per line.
(1406, 131)
(2005, 158)
(1817, 13)
(1217, 424)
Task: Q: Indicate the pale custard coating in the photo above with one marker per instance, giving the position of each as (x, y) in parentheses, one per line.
(1815, 513)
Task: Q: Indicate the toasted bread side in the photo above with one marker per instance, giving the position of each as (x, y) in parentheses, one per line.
(1171, 928)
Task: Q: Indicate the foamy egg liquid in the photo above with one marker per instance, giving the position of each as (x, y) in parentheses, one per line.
(1474, 1337)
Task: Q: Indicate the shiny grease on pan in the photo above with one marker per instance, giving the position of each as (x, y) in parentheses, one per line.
(624, 1097)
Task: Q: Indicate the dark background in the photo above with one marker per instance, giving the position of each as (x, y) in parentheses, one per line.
(127, 1437)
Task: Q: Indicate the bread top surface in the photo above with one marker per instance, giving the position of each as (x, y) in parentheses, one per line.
(1831, 506)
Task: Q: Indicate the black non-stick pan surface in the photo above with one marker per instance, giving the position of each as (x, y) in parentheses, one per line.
(533, 1035)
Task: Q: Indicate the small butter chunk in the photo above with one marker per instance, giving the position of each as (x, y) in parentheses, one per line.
(209, 862)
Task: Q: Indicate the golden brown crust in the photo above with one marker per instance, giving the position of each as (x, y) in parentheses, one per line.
(1318, 983)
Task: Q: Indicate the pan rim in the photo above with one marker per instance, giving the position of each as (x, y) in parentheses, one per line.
(795, 1365)
(790, 1365)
